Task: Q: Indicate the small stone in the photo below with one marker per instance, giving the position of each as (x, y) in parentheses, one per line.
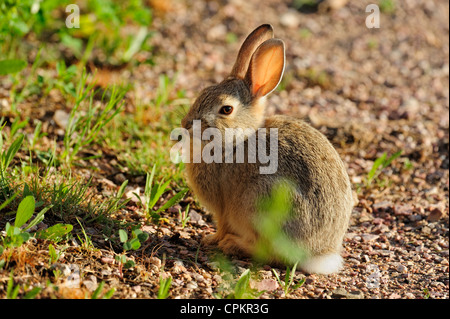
(131, 192)
(195, 217)
(178, 267)
(382, 206)
(120, 178)
(107, 182)
(199, 278)
(174, 209)
(106, 272)
(331, 5)
(410, 295)
(369, 237)
(61, 118)
(107, 260)
(137, 288)
(63, 268)
(339, 293)
(342, 293)
(166, 231)
(377, 221)
(91, 283)
(267, 285)
(401, 268)
(434, 215)
(404, 210)
(214, 265)
(426, 230)
(192, 285)
(148, 229)
(290, 19)
(155, 261)
(355, 294)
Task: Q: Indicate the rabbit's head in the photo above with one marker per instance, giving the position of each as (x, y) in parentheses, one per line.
(238, 101)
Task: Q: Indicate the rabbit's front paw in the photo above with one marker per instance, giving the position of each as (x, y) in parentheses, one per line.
(210, 240)
(234, 245)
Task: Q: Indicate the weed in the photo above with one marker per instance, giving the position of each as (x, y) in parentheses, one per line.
(16, 235)
(82, 130)
(52, 253)
(164, 283)
(12, 291)
(6, 157)
(99, 289)
(379, 164)
(86, 243)
(288, 284)
(138, 237)
(387, 6)
(274, 213)
(11, 66)
(242, 289)
(315, 77)
(164, 287)
(305, 33)
(153, 192)
(183, 216)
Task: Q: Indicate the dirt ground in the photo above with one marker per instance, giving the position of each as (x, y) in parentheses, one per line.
(370, 91)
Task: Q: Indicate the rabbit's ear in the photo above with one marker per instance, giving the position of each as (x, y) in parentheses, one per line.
(258, 36)
(266, 67)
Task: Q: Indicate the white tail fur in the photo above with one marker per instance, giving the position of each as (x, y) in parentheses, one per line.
(325, 264)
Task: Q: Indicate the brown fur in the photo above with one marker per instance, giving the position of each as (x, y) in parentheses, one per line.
(322, 202)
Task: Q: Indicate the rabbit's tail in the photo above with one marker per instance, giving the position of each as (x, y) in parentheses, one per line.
(325, 264)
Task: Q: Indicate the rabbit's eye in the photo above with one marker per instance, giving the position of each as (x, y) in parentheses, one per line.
(226, 109)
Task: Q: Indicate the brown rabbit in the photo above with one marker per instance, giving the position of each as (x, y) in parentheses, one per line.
(322, 197)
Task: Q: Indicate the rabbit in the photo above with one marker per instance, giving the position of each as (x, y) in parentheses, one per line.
(322, 199)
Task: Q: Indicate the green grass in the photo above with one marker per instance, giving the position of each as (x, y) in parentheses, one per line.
(379, 165)
(54, 179)
(274, 211)
(288, 284)
(387, 6)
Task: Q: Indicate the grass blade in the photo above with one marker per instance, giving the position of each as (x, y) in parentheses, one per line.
(25, 211)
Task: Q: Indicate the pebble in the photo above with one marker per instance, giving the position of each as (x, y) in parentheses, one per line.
(401, 268)
(369, 237)
(155, 261)
(120, 178)
(434, 215)
(290, 19)
(192, 285)
(61, 118)
(131, 192)
(342, 293)
(267, 284)
(382, 206)
(107, 260)
(195, 218)
(91, 283)
(404, 210)
(178, 267)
